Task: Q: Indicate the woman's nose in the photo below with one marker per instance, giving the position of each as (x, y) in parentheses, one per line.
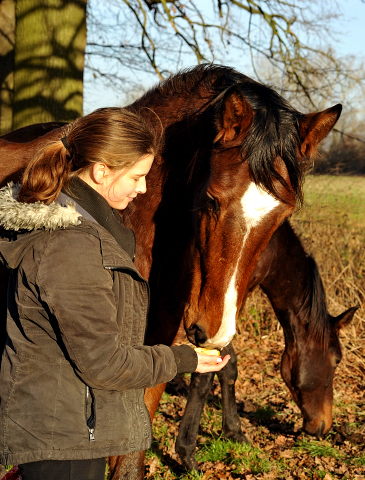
(141, 187)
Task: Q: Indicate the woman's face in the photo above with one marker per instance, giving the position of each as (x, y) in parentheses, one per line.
(121, 187)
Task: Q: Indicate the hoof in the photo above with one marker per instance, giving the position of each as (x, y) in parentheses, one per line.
(238, 437)
(190, 464)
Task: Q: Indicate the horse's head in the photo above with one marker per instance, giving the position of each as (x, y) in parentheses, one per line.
(308, 366)
(258, 156)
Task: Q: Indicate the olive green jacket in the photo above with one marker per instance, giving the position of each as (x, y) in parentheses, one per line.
(74, 368)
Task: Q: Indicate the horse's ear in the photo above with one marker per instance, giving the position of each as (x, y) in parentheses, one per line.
(314, 127)
(345, 318)
(234, 117)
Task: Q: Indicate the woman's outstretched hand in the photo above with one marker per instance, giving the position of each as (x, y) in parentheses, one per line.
(211, 363)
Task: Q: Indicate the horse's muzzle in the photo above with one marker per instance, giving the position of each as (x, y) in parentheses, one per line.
(317, 430)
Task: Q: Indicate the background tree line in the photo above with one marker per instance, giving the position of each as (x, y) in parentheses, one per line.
(345, 154)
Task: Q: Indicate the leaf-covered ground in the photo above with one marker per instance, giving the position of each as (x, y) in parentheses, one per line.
(272, 422)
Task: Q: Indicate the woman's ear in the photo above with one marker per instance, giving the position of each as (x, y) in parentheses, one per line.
(99, 172)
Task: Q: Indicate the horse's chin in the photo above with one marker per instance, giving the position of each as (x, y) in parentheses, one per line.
(219, 345)
(317, 428)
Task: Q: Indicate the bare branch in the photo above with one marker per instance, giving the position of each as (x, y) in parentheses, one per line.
(290, 36)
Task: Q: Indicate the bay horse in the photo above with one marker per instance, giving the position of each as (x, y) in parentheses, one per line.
(291, 280)
(228, 175)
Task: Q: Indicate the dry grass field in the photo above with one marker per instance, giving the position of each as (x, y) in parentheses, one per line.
(332, 228)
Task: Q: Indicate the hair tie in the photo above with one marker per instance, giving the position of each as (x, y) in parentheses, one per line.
(65, 143)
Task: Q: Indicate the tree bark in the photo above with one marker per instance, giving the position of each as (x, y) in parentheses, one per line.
(50, 40)
(7, 36)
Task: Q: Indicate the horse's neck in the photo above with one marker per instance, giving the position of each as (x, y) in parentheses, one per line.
(31, 132)
(161, 211)
(164, 107)
(287, 279)
(15, 156)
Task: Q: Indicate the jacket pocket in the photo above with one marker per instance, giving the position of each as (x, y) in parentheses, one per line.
(46, 406)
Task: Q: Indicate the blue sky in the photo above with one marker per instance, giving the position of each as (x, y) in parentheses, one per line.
(350, 29)
(353, 41)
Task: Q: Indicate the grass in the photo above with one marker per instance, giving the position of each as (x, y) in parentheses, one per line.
(333, 218)
(317, 448)
(359, 460)
(332, 228)
(338, 199)
(241, 457)
(211, 420)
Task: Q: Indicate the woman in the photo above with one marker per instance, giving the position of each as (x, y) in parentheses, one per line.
(74, 368)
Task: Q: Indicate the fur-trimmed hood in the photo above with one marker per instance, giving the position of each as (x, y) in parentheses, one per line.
(17, 216)
(24, 223)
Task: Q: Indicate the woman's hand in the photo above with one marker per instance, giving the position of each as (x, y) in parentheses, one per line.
(211, 363)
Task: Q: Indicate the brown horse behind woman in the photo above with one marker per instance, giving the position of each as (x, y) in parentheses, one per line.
(291, 280)
(229, 173)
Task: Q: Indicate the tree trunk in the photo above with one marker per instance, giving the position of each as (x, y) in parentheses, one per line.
(50, 40)
(7, 35)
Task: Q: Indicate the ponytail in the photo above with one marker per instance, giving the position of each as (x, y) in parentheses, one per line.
(114, 136)
(46, 174)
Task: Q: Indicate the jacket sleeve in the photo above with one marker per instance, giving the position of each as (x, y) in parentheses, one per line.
(79, 293)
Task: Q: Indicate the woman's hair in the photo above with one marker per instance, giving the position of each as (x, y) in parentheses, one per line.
(113, 136)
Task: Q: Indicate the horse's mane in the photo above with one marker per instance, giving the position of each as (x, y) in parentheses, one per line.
(314, 310)
(275, 128)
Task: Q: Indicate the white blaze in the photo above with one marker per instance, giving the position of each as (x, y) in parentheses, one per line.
(256, 204)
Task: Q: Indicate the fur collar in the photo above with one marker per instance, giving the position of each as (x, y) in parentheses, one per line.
(17, 216)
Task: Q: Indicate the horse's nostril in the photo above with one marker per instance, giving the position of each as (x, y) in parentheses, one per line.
(320, 430)
(190, 332)
(196, 335)
(200, 336)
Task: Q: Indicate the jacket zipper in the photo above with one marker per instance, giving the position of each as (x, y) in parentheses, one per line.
(90, 419)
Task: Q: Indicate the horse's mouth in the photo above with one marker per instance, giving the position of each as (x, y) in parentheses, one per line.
(316, 430)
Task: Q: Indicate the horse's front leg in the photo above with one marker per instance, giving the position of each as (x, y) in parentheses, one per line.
(227, 378)
(132, 466)
(200, 386)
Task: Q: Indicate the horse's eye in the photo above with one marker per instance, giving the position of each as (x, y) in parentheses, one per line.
(213, 203)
